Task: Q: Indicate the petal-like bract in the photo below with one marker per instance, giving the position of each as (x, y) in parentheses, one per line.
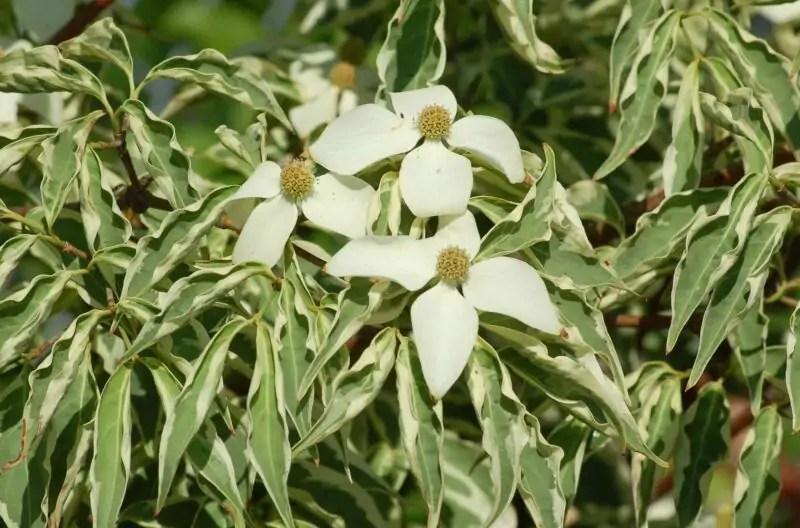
(340, 204)
(401, 259)
(511, 287)
(435, 181)
(408, 105)
(491, 140)
(316, 112)
(445, 327)
(265, 182)
(266, 231)
(456, 230)
(355, 140)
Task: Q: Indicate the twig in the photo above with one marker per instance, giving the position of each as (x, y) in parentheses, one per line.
(226, 223)
(647, 322)
(103, 145)
(83, 16)
(68, 248)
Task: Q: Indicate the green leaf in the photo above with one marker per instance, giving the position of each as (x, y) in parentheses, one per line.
(182, 229)
(422, 429)
(683, 160)
(712, 247)
(703, 443)
(22, 312)
(572, 436)
(214, 72)
(15, 145)
(244, 146)
(540, 483)
(12, 251)
(517, 19)
(502, 419)
(572, 268)
(102, 41)
(793, 368)
(662, 231)
(354, 389)
(643, 92)
(594, 202)
(268, 447)
(529, 222)
(760, 69)
(758, 481)
(163, 156)
(635, 22)
(749, 342)
(61, 159)
(659, 417)
(206, 450)
(414, 53)
(468, 499)
(193, 404)
(105, 224)
(43, 69)
(111, 463)
(385, 210)
(354, 306)
(189, 297)
(741, 286)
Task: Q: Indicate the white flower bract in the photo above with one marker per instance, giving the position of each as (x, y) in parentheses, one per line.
(444, 319)
(434, 180)
(332, 201)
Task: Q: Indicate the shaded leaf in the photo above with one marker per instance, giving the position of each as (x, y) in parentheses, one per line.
(517, 19)
(683, 160)
(104, 223)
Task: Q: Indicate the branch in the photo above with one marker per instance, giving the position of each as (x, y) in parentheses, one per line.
(83, 16)
(124, 155)
(645, 322)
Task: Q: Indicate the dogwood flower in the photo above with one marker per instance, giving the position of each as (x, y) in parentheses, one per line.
(434, 180)
(444, 318)
(326, 87)
(331, 201)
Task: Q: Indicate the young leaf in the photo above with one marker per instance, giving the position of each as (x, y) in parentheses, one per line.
(163, 156)
(111, 463)
(741, 286)
(104, 223)
(414, 54)
(355, 305)
(517, 19)
(214, 72)
(14, 146)
(793, 367)
(189, 297)
(758, 481)
(181, 230)
(749, 342)
(102, 41)
(22, 312)
(268, 447)
(711, 250)
(61, 159)
(529, 222)
(634, 24)
(683, 160)
(703, 442)
(540, 483)
(354, 389)
(421, 428)
(643, 92)
(502, 418)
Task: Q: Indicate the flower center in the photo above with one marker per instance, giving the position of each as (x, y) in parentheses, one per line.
(343, 75)
(452, 264)
(434, 122)
(297, 179)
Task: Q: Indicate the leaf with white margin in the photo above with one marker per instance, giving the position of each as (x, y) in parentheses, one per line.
(103, 221)
(414, 53)
(703, 442)
(741, 287)
(180, 232)
(517, 19)
(643, 92)
(502, 419)
(594, 201)
(422, 429)
(384, 213)
(12, 251)
(353, 390)
(22, 312)
(793, 367)
(161, 153)
(102, 41)
(712, 247)
(572, 436)
(540, 478)
(683, 160)
(61, 159)
(111, 462)
(213, 71)
(192, 405)
(15, 145)
(749, 343)
(758, 480)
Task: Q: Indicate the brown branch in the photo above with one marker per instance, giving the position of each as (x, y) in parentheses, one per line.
(72, 250)
(124, 155)
(646, 322)
(81, 18)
